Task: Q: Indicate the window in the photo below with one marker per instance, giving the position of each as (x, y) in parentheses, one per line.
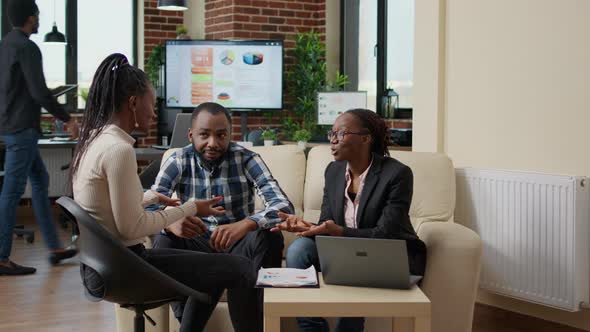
(400, 49)
(367, 56)
(90, 38)
(98, 38)
(377, 50)
(54, 55)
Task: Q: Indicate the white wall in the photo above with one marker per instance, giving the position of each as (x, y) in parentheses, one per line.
(428, 111)
(194, 19)
(517, 75)
(332, 38)
(140, 34)
(502, 84)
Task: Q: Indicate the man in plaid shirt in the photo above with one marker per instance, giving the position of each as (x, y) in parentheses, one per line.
(212, 166)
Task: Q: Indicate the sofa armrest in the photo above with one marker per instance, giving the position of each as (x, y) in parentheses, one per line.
(452, 274)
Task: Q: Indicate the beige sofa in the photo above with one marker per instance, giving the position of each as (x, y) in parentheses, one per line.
(452, 270)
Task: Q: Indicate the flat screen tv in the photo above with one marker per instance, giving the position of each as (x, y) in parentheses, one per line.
(236, 74)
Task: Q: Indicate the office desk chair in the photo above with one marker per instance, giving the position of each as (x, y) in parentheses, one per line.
(128, 279)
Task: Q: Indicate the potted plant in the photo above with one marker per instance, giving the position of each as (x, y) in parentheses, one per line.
(182, 32)
(302, 136)
(307, 77)
(269, 136)
(154, 68)
(288, 129)
(83, 93)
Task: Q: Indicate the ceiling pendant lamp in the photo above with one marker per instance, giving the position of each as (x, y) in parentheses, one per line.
(172, 5)
(54, 37)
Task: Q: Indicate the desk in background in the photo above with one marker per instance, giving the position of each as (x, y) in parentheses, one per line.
(58, 154)
(55, 155)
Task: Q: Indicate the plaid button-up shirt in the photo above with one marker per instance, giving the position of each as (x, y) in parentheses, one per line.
(236, 178)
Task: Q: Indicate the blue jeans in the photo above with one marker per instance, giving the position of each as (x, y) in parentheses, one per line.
(301, 254)
(23, 161)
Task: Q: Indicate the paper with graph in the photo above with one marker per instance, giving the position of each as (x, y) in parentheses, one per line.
(287, 277)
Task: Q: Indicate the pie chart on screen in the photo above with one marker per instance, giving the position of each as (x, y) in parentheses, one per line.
(227, 57)
(223, 96)
(253, 58)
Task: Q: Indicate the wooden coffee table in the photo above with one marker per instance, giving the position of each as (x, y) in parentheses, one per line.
(345, 301)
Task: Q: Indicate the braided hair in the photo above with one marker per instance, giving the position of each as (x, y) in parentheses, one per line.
(376, 127)
(114, 82)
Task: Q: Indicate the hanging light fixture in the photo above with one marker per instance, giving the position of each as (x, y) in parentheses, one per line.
(54, 37)
(172, 5)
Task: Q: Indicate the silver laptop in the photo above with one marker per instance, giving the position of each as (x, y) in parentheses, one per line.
(180, 131)
(365, 262)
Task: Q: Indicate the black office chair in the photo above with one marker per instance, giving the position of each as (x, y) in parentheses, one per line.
(255, 136)
(128, 279)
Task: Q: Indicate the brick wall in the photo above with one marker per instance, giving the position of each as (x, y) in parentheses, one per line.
(264, 19)
(159, 25)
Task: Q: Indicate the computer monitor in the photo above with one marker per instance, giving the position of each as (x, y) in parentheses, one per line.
(332, 104)
(236, 74)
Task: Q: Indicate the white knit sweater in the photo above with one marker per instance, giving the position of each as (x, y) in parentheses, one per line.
(107, 186)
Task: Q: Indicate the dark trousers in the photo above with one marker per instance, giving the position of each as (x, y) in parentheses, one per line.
(303, 253)
(262, 247)
(206, 273)
(23, 161)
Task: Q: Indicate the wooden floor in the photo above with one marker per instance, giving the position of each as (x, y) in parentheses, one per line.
(52, 300)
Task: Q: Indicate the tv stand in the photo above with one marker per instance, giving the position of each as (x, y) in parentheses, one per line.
(244, 125)
(244, 121)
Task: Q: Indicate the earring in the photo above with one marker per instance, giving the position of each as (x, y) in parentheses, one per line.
(135, 117)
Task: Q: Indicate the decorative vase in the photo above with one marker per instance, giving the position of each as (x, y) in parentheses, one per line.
(302, 144)
(269, 142)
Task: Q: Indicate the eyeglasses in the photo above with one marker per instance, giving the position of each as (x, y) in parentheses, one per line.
(341, 133)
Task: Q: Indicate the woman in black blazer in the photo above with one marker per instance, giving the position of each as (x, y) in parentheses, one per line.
(366, 194)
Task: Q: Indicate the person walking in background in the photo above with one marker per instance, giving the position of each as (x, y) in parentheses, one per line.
(22, 94)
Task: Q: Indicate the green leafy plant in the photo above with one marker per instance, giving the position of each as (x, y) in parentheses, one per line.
(338, 83)
(288, 128)
(84, 93)
(308, 77)
(302, 135)
(152, 66)
(181, 30)
(269, 134)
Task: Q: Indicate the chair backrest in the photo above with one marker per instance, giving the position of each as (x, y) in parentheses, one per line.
(434, 184)
(128, 279)
(180, 131)
(255, 136)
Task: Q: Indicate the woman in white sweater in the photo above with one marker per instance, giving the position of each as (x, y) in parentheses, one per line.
(105, 182)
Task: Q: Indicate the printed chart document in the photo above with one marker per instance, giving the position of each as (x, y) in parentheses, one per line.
(286, 277)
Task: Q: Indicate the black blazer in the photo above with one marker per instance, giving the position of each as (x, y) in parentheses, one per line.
(383, 208)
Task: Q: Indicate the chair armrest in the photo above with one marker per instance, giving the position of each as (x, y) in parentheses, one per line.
(452, 274)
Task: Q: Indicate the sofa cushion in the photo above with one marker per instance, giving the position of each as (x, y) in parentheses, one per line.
(287, 165)
(434, 184)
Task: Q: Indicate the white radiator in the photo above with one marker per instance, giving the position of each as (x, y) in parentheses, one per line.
(54, 159)
(535, 232)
